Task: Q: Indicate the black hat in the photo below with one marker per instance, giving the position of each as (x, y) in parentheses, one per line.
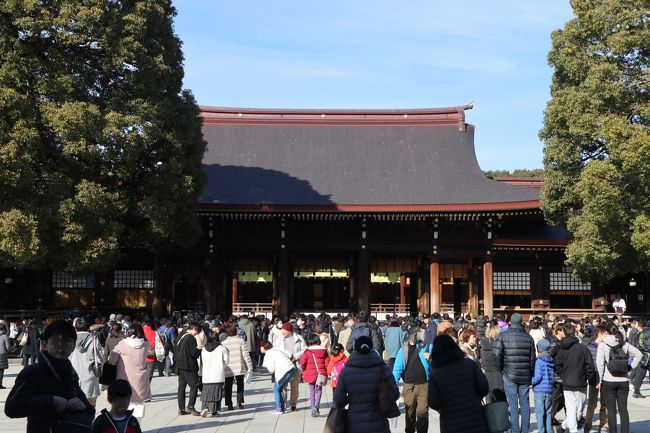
(363, 344)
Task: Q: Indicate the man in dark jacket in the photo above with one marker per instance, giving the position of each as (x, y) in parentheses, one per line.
(187, 367)
(430, 329)
(593, 392)
(514, 351)
(574, 363)
(642, 342)
(557, 398)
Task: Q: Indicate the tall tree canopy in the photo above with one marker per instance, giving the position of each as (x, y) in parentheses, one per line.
(100, 147)
(597, 142)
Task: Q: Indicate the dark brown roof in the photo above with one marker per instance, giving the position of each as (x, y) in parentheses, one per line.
(349, 160)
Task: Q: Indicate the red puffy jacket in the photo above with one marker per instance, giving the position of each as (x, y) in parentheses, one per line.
(309, 371)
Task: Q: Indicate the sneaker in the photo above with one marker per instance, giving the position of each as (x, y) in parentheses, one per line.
(313, 412)
(240, 406)
(638, 395)
(182, 412)
(277, 412)
(204, 413)
(293, 408)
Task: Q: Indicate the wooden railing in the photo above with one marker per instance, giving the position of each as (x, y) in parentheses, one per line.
(376, 309)
(257, 307)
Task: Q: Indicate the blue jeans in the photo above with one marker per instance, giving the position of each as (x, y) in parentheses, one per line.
(517, 396)
(543, 413)
(279, 385)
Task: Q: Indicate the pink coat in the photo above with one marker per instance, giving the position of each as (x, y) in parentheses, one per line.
(131, 360)
(309, 371)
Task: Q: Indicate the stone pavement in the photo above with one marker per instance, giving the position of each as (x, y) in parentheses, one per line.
(161, 415)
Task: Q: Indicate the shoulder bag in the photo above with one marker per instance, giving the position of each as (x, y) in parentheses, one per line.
(321, 379)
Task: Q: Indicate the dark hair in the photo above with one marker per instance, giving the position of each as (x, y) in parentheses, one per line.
(116, 330)
(212, 342)
(266, 345)
(602, 328)
(451, 332)
(363, 316)
(231, 330)
(569, 330)
(81, 324)
(337, 348)
(59, 327)
(313, 339)
(135, 330)
(119, 388)
(612, 329)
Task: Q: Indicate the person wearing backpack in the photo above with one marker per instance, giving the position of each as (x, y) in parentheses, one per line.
(362, 328)
(412, 365)
(336, 363)
(611, 362)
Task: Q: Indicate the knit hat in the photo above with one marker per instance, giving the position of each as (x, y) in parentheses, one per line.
(515, 319)
(363, 344)
(287, 326)
(543, 345)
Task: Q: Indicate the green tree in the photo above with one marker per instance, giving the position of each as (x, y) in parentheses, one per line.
(597, 142)
(518, 172)
(100, 147)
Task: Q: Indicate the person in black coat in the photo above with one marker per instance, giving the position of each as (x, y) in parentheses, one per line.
(187, 368)
(48, 392)
(489, 364)
(514, 351)
(358, 386)
(456, 388)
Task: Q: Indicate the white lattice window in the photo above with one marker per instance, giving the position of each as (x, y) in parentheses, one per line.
(63, 280)
(511, 281)
(565, 282)
(128, 279)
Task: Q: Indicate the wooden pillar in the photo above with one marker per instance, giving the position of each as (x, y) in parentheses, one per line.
(156, 301)
(472, 301)
(402, 288)
(235, 289)
(488, 300)
(281, 289)
(210, 293)
(434, 286)
(363, 280)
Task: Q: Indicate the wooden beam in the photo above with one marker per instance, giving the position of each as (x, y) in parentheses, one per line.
(434, 289)
(488, 299)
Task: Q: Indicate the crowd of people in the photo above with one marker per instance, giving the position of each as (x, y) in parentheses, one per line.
(452, 365)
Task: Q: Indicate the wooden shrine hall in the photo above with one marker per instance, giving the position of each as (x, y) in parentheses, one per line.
(339, 210)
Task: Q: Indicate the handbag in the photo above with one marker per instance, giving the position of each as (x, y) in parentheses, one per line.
(321, 379)
(497, 416)
(72, 422)
(24, 339)
(387, 404)
(645, 360)
(109, 373)
(335, 422)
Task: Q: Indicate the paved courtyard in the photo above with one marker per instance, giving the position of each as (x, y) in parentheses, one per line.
(161, 414)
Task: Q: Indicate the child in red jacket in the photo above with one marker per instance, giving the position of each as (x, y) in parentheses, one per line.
(314, 371)
(336, 363)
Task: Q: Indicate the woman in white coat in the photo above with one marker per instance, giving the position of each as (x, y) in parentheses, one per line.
(214, 358)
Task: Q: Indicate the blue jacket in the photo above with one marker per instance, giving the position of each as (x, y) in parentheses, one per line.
(393, 340)
(400, 362)
(543, 378)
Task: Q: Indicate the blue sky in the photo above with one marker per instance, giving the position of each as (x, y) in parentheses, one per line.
(381, 54)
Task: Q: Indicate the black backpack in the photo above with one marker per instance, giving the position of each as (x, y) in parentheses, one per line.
(617, 361)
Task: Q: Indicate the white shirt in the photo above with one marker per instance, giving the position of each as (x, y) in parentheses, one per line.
(619, 306)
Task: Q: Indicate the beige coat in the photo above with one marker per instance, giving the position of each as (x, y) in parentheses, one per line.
(130, 356)
(239, 360)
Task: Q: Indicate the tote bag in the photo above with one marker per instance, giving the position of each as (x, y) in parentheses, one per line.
(497, 416)
(335, 422)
